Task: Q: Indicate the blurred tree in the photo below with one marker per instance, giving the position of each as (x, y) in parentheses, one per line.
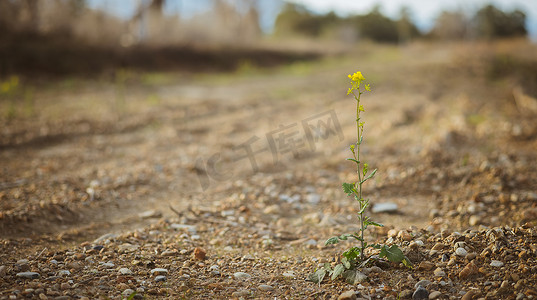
(377, 27)
(406, 29)
(451, 26)
(492, 23)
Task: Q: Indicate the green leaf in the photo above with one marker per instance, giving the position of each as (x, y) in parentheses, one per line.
(354, 160)
(365, 204)
(375, 246)
(394, 254)
(352, 253)
(365, 169)
(369, 176)
(348, 188)
(318, 276)
(354, 276)
(332, 240)
(337, 271)
(345, 261)
(369, 222)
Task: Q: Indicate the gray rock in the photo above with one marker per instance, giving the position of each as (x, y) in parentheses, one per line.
(348, 295)
(496, 263)
(64, 273)
(265, 288)
(159, 271)
(3, 271)
(242, 275)
(420, 294)
(160, 278)
(387, 207)
(148, 214)
(125, 271)
(435, 295)
(313, 198)
(461, 252)
(423, 283)
(127, 292)
(28, 275)
(104, 237)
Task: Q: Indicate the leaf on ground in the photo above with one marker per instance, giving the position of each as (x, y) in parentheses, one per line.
(354, 276)
(394, 254)
(337, 271)
(318, 276)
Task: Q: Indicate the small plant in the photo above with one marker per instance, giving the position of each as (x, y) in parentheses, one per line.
(355, 257)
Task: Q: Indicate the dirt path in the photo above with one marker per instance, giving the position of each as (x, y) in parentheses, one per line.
(268, 147)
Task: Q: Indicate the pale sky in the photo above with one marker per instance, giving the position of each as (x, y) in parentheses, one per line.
(423, 12)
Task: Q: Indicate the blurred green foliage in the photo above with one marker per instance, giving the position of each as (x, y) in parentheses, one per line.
(487, 23)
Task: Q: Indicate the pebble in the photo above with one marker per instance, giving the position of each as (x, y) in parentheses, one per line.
(3, 271)
(127, 292)
(387, 207)
(125, 271)
(313, 198)
(265, 287)
(149, 214)
(159, 271)
(426, 265)
(242, 275)
(289, 274)
(199, 254)
(420, 294)
(423, 283)
(241, 293)
(64, 273)
(438, 272)
(469, 295)
(435, 295)
(461, 252)
(496, 263)
(348, 295)
(160, 278)
(28, 275)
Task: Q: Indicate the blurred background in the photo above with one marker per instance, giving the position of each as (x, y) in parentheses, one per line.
(90, 35)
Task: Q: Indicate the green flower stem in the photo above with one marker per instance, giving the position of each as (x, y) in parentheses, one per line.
(356, 154)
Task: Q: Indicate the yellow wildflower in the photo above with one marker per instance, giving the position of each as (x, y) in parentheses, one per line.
(361, 108)
(357, 77)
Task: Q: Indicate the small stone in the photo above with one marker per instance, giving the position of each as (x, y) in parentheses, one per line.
(423, 283)
(159, 271)
(435, 295)
(3, 271)
(387, 207)
(148, 214)
(242, 275)
(496, 263)
(468, 270)
(64, 273)
(404, 235)
(265, 288)
(127, 292)
(406, 294)
(199, 254)
(438, 272)
(313, 198)
(127, 248)
(160, 278)
(420, 294)
(43, 296)
(241, 293)
(426, 265)
(125, 271)
(469, 295)
(348, 295)
(289, 274)
(65, 286)
(169, 252)
(28, 275)
(438, 246)
(461, 252)
(474, 220)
